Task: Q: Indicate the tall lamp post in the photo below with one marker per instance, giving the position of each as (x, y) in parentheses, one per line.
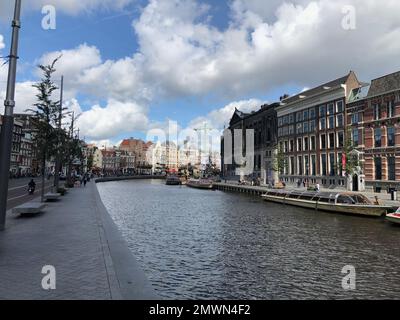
(8, 119)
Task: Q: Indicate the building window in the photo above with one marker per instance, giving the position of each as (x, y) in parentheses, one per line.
(313, 144)
(377, 111)
(312, 113)
(292, 169)
(355, 118)
(340, 120)
(391, 133)
(299, 144)
(291, 118)
(299, 116)
(340, 139)
(323, 141)
(331, 141)
(331, 122)
(313, 165)
(331, 109)
(305, 127)
(322, 111)
(323, 165)
(291, 144)
(286, 120)
(378, 168)
(378, 137)
(286, 146)
(332, 164)
(312, 126)
(306, 144)
(322, 124)
(305, 115)
(306, 166)
(356, 139)
(392, 168)
(339, 106)
(300, 165)
(340, 163)
(299, 129)
(390, 109)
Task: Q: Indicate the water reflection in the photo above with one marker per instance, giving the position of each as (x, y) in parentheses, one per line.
(196, 244)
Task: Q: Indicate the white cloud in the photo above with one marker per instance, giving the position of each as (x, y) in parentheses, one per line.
(25, 95)
(84, 71)
(71, 7)
(114, 119)
(72, 65)
(303, 42)
(266, 45)
(218, 118)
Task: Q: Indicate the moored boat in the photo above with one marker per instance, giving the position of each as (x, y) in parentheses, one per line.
(173, 181)
(394, 217)
(338, 202)
(200, 184)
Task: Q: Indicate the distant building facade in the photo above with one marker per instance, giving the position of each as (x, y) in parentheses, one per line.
(264, 123)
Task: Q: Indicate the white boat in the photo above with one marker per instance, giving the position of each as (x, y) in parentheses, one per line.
(394, 217)
(339, 202)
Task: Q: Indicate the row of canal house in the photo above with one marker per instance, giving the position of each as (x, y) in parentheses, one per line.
(311, 129)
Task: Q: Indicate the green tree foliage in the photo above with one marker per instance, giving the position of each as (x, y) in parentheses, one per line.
(352, 160)
(280, 161)
(46, 114)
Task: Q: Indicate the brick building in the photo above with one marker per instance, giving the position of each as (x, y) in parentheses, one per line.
(139, 149)
(311, 133)
(15, 147)
(374, 122)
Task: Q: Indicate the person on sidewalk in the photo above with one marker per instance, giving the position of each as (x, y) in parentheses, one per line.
(84, 181)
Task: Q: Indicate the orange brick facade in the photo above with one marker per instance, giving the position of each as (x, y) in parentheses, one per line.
(374, 122)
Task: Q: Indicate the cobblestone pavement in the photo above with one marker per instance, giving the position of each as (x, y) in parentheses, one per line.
(68, 236)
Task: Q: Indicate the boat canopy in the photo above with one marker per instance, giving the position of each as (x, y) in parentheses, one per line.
(327, 197)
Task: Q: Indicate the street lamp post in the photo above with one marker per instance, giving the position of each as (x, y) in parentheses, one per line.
(8, 119)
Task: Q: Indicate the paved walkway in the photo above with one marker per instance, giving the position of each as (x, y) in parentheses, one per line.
(77, 237)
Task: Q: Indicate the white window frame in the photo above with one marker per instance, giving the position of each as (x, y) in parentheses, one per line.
(315, 138)
(337, 139)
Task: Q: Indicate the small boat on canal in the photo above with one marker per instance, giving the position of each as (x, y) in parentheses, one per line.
(200, 184)
(394, 217)
(173, 181)
(338, 202)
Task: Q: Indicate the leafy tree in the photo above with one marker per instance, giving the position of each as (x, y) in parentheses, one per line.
(46, 116)
(280, 161)
(352, 161)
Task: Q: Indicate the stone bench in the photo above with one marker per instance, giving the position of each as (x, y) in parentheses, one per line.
(29, 208)
(52, 196)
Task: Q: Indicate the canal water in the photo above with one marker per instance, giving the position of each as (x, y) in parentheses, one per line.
(195, 244)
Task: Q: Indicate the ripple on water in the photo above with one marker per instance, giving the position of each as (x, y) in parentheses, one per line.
(197, 244)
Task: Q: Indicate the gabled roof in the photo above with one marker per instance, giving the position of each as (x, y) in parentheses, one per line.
(320, 89)
(238, 116)
(388, 83)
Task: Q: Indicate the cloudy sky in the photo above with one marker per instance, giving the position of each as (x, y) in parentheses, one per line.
(130, 65)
